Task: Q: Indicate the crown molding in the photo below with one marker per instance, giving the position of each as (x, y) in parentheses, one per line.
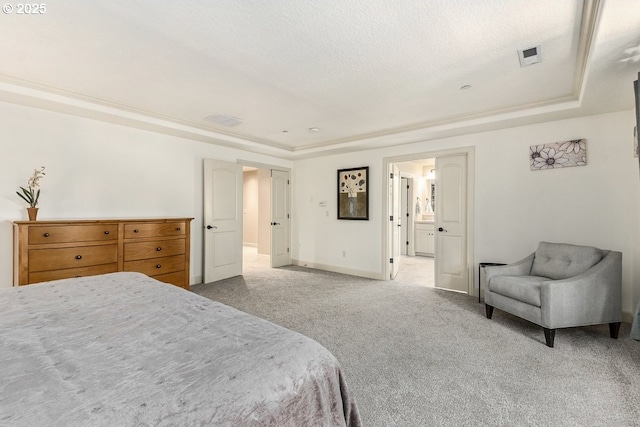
(64, 97)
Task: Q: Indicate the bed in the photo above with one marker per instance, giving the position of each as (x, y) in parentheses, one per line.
(125, 349)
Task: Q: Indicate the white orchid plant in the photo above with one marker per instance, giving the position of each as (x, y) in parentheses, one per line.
(31, 194)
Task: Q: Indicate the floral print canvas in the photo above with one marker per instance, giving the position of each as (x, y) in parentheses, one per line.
(353, 197)
(558, 155)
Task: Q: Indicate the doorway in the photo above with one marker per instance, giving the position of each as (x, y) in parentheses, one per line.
(417, 254)
(227, 200)
(256, 217)
(449, 194)
(265, 215)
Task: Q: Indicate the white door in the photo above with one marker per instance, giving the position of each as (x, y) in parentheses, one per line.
(280, 254)
(394, 219)
(451, 223)
(404, 215)
(410, 217)
(222, 220)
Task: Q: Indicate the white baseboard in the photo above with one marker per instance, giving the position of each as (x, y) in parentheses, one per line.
(196, 280)
(250, 245)
(337, 269)
(627, 317)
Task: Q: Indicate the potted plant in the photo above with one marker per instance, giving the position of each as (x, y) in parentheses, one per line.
(31, 194)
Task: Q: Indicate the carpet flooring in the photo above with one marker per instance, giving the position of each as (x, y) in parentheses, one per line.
(419, 356)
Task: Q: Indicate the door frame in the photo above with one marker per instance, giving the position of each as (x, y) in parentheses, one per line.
(270, 167)
(470, 153)
(393, 196)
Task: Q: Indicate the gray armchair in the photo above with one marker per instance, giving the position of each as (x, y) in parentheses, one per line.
(559, 286)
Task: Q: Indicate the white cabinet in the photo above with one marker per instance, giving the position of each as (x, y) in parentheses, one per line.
(424, 242)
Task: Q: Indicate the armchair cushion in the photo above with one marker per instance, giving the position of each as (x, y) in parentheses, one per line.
(520, 288)
(559, 261)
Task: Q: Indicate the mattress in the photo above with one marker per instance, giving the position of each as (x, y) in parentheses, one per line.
(125, 349)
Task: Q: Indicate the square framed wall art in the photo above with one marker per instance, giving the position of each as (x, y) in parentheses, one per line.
(353, 193)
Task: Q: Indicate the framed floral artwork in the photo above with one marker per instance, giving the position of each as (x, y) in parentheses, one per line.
(353, 194)
(558, 155)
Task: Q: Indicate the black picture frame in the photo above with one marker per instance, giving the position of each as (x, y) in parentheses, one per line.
(353, 193)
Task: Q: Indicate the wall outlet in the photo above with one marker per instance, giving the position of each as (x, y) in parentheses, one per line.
(344, 254)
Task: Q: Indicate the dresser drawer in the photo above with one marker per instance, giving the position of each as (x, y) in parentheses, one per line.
(153, 249)
(157, 266)
(164, 229)
(178, 278)
(39, 234)
(67, 273)
(81, 256)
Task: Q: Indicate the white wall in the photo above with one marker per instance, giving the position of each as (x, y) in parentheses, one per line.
(250, 208)
(100, 170)
(515, 208)
(319, 239)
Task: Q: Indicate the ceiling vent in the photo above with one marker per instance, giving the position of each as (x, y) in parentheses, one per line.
(224, 120)
(530, 56)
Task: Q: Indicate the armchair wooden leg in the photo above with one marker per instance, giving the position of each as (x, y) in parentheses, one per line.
(614, 328)
(488, 310)
(549, 336)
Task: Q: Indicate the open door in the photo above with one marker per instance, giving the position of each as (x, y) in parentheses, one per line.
(280, 254)
(394, 219)
(222, 220)
(404, 215)
(451, 223)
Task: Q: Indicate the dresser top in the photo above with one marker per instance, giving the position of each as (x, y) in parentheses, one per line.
(99, 221)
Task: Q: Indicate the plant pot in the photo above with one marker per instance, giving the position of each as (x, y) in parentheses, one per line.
(33, 213)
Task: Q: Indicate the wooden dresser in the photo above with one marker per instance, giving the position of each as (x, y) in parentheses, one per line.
(50, 250)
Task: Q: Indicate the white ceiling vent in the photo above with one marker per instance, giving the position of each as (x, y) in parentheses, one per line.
(224, 120)
(530, 56)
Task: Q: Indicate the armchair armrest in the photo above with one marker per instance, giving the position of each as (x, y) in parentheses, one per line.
(590, 298)
(518, 268)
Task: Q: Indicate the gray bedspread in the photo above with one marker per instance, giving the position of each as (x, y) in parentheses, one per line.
(123, 349)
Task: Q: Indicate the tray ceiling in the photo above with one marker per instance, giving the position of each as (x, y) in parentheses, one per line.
(364, 74)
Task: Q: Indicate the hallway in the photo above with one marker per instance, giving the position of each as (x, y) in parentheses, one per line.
(416, 270)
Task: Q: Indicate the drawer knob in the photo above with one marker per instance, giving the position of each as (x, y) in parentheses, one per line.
(46, 234)
(158, 249)
(106, 232)
(78, 256)
(177, 228)
(136, 230)
(158, 266)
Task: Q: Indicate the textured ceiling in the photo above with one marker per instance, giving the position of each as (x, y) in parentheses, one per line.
(366, 74)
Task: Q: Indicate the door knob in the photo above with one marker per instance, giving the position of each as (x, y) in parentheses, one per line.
(209, 227)
(442, 229)
(275, 223)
